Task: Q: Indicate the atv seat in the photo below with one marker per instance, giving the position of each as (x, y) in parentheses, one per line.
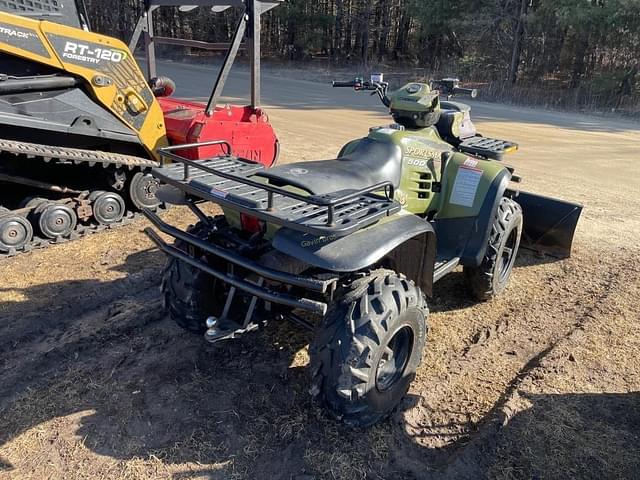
(372, 162)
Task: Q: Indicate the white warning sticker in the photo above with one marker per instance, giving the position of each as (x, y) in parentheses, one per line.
(465, 186)
(470, 162)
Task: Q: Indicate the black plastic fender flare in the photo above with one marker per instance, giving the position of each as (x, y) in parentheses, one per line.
(408, 240)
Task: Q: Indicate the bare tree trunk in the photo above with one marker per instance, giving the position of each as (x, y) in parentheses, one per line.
(517, 42)
(579, 59)
(337, 30)
(347, 27)
(364, 33)
(385, 24)
(402, 36)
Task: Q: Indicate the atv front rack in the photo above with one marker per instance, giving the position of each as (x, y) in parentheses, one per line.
(236, 183)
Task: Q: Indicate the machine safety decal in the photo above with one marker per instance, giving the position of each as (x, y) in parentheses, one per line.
(465, 186)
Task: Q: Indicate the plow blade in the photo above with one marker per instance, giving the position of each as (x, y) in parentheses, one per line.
(549, 224)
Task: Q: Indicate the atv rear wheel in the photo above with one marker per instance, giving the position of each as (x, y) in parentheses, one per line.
(190, 295)
(492, 276)
(368, 348)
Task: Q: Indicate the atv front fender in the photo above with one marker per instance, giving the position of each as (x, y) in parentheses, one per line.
(468, 237)
(407, 241)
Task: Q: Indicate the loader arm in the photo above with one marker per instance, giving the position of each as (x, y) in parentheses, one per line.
(108, 71)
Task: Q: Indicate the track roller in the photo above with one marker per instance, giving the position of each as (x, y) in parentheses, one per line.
(108, 207)
(15, 231)
(54, 220)
(142, 191)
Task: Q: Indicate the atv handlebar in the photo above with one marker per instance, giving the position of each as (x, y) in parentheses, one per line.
(450, 87)
(379, 88)
(343, 84)
(358, 84)
(472, 92)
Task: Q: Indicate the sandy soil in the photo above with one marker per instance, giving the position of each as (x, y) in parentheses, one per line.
(543, 382)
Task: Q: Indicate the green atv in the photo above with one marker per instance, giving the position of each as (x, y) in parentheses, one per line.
(358, 241)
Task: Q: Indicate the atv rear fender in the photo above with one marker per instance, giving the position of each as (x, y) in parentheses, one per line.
(404, 241)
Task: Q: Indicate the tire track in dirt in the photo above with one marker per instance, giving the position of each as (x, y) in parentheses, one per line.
(463, 449)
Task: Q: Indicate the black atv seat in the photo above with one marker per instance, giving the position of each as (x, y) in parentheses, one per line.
(372, 162)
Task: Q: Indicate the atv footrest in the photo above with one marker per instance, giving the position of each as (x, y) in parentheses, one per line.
(487, 147)
(236, 183)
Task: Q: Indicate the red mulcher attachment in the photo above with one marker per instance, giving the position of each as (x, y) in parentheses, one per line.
(247, 130)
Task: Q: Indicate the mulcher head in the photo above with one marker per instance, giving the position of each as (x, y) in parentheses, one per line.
(549, 224)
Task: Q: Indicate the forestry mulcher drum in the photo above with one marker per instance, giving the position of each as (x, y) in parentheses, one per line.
(81, 125)
(355, 243)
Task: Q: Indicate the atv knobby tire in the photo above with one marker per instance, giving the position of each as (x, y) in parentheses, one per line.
(190, 295)
(491, 277)
(354, 374)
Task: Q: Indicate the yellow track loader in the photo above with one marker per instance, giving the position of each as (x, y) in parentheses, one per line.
(80, 124)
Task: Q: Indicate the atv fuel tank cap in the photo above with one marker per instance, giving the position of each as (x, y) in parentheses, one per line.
(414, 88)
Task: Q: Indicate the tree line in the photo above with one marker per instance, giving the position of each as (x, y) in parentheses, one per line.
(576, 50)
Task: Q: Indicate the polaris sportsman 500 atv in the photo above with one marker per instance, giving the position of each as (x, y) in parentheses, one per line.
(357, 241)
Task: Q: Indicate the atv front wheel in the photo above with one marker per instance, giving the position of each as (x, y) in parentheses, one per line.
(492, 276)
(369, 346)
(190, 295)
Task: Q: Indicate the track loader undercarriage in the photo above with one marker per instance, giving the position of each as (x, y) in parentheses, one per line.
(57, 204)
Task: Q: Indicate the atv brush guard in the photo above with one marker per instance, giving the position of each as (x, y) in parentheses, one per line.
(256, 290)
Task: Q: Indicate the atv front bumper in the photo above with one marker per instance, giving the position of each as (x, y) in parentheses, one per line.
(273, 285)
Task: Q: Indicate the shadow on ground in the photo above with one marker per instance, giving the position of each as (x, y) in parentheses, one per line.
(132, 385)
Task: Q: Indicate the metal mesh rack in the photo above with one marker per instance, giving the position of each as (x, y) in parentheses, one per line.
(236, 183)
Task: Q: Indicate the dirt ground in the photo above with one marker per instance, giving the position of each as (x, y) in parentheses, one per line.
(543, 382)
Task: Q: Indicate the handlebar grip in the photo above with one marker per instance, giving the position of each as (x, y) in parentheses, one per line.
(472, 92)
(343, 84)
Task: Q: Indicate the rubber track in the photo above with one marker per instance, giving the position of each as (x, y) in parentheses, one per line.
(50, 153)
(78, 156)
